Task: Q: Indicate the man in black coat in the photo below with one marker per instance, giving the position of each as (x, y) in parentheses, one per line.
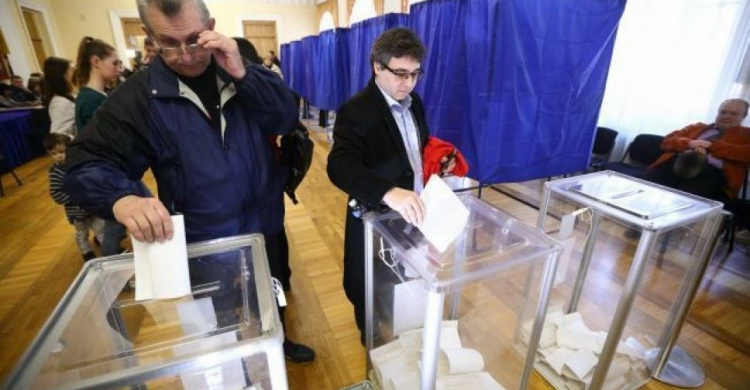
(379, 138)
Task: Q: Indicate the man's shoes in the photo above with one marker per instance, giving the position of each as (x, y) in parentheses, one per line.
(298, 353)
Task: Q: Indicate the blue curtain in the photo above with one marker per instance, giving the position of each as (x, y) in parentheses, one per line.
(515, 84)
(537, 71)
(331, 69)
(361, 37)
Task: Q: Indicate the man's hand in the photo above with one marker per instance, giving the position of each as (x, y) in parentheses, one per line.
(225, 52)
(146, 218)
(699, 143)
(700, 150)
(407, 203)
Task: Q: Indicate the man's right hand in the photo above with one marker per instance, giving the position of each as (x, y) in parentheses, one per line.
(699, 143)
(146, 218)
(407, 203)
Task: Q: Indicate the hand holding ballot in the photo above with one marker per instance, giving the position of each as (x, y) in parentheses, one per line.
(407, 203)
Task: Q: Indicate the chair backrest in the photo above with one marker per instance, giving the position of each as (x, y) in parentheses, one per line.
(644, 149)
(604, 141)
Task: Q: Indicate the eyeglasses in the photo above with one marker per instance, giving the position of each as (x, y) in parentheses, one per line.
(175, 51)
(403, 75)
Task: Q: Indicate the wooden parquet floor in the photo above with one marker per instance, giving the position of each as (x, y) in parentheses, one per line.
(39, 260)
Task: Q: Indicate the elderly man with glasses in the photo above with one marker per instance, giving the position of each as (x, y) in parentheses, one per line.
(379, 139)
(199, 118)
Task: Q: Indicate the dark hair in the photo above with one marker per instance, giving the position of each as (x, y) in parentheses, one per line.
(51, 140)
(15, 76)
(88, 48)
(397, 42)
(169, 8)
(247, 50)
(54, 82)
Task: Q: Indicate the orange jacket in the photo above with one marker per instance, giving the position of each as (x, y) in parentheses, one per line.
(733, 149)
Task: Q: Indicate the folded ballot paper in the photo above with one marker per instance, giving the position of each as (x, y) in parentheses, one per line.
(397, 364)
(446, 216)
(161, 268)
(569, 353)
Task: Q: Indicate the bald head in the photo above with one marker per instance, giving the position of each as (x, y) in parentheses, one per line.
(731, 113)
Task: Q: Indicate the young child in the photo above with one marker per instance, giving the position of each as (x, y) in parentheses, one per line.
(56, 144)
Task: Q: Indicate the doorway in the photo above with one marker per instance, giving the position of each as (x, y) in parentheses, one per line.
(262, 34)
(37, 30)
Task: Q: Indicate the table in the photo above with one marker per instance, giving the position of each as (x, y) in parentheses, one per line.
(20, 138)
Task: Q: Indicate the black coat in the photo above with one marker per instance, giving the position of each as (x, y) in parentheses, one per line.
(368, 158)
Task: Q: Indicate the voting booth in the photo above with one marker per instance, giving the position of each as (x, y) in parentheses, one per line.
(461, 310)
(225, 334)
(634, 254)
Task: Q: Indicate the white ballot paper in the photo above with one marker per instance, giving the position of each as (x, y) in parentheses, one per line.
(446, 216)
(161, 268)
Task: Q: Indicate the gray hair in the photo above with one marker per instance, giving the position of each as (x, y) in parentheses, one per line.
(741, 101)
(169, 8)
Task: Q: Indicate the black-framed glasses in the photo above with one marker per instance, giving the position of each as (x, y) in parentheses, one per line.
(404, 75)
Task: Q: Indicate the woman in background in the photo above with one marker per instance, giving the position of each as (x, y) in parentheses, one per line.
(96, 66)
(58, 95)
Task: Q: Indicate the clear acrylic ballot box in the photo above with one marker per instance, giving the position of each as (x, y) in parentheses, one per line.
(634, 255)
(225, 335)
(467, 318)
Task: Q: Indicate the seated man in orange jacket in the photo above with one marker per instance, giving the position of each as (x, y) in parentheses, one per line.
(707, 160)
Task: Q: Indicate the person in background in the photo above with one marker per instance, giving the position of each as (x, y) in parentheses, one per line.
(709, 160)
(97, 65)
(277, 244)
(274, 58)
(379, 139)
(150, 51)
(199, 118)
(59, 98)
(36, 86)
(20, 94)
(56, 145)
(268, 63)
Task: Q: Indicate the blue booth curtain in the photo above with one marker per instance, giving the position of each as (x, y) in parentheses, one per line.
(331, 69)
(361, 37)
(537, 71)
(443, 87)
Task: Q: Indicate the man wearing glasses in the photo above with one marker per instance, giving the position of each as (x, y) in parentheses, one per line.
(379, 138)
(198, 117)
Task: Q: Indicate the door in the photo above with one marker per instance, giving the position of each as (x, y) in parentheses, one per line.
(134, 36)
(37, 34)
(262, 34)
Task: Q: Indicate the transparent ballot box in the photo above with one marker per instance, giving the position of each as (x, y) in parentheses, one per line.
(225, 335)
(634, 254)
(465, 318)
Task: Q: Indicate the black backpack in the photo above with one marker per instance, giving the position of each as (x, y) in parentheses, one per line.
(296, 157)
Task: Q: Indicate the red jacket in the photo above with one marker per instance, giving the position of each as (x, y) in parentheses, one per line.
(434, 151)
(733, 149)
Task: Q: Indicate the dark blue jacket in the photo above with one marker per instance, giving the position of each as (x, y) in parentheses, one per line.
(223, 187)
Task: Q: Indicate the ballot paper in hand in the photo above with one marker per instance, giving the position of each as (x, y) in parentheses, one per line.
(446, 216)
(161, 268)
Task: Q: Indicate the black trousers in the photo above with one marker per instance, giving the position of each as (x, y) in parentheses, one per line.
(708, 184)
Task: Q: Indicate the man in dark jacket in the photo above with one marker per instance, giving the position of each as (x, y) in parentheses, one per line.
(379, 137)
(198, 117)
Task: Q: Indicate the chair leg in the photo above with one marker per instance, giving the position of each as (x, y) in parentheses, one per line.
(12, 172)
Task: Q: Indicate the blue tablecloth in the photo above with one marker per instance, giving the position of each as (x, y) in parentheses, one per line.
(17, 139)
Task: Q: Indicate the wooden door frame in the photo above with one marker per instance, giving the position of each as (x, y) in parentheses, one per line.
(279, 19)
(115, 19)
(48, 25)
